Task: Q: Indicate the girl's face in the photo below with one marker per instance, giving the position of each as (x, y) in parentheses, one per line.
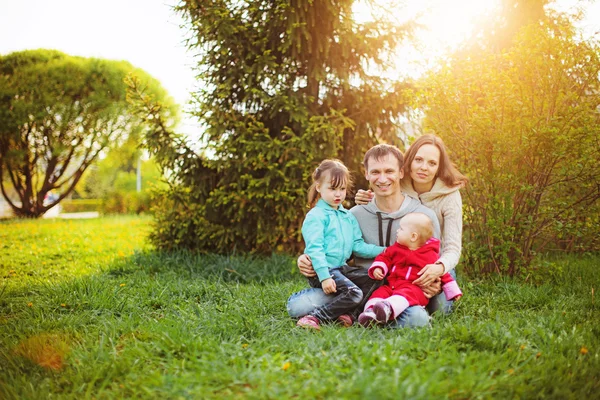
(332, 196)
(424, 166)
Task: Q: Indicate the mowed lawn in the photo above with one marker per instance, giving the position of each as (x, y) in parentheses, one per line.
(89, 310)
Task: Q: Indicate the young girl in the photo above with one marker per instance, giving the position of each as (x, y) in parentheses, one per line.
(331, 235)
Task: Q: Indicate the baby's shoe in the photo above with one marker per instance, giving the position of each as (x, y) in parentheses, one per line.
(383, 311)
(367, 317)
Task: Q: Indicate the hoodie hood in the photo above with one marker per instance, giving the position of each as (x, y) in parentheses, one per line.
(410, 204)
(439, 189)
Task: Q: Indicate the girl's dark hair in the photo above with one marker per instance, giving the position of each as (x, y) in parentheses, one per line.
(338, 173)
(447, 172)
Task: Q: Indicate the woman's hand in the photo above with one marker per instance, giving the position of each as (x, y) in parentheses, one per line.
(429, 273)
(328, 286)
(305, 266)
(363, 197)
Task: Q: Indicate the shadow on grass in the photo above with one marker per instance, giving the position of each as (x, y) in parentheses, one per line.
(276, 268)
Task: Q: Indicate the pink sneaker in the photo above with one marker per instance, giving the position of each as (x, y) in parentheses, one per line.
(367, 318)
(383, 311)
(345, 320)
(308, 321)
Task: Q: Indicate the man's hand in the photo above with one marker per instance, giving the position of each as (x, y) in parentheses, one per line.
(305, 266)
(328, 286)
(363, 197)
(378, 274)
(432, 290)
(429, 273)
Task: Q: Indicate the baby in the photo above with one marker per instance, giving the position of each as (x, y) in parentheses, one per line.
(414, 248)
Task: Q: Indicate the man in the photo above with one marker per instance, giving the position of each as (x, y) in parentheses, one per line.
(379, 220)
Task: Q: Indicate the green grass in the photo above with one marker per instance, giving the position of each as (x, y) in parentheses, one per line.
(88, 310)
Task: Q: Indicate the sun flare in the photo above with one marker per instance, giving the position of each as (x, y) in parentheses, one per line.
(442, 26)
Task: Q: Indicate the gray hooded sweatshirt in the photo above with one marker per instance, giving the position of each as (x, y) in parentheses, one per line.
(379, 227)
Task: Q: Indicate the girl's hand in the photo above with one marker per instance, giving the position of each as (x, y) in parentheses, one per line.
(363, 197)
(429, 273)
(328, 286)
(378, 274)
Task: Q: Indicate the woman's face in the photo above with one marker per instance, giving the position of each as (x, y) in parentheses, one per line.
(424, 166)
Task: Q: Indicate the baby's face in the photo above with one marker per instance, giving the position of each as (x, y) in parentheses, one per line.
(403, 234)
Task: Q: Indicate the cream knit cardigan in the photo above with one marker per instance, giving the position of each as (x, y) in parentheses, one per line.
(447, 204)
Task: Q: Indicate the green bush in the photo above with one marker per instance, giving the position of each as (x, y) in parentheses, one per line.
(81, 205)
(125, 202)
(524, 126)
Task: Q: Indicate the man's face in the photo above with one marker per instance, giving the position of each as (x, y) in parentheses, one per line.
(384, 175)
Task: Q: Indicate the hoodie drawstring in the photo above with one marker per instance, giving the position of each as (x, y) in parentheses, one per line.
(389, 230)
(380, 228)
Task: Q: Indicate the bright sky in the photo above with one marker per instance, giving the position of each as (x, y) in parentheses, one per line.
(147, 34)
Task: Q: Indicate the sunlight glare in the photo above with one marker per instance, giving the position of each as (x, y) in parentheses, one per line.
(442, 26)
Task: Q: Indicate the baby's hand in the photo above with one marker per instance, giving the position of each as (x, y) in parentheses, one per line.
(378, 274)
(328, 286)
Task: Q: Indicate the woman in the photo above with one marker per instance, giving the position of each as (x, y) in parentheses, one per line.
(430, 176)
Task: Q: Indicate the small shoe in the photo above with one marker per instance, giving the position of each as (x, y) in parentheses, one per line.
(308, 321)
(367, 318)
(383, 311)
(345, 320)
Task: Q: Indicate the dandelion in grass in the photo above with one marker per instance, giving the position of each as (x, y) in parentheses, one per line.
(286, 366)
(30, 304)
(538, 355)
(522, 347)
(63, 305)
(121, 285)
(583, 350)
(245, 345)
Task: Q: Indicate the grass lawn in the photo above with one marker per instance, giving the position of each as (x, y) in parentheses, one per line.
(88, 310)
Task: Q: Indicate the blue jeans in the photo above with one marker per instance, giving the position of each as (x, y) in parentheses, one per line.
(303, 302)
(343, 301)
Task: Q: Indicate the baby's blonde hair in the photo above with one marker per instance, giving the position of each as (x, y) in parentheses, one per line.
(422, 225)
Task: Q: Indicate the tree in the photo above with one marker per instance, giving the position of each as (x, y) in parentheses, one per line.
(57, 114)
(285, 83)
(524, 126)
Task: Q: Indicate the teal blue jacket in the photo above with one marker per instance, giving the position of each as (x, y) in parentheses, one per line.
(331, 236)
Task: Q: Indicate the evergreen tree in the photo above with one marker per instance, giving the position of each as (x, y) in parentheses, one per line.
(285, 83)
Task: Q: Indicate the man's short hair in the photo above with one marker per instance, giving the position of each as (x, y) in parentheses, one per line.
(380, 151)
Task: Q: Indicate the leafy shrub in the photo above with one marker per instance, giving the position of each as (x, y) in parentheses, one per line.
(126, 202)
(524, 126)
(81, 205)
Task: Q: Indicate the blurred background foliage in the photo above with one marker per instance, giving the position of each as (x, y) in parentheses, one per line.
(288, 83)
(59, 115)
